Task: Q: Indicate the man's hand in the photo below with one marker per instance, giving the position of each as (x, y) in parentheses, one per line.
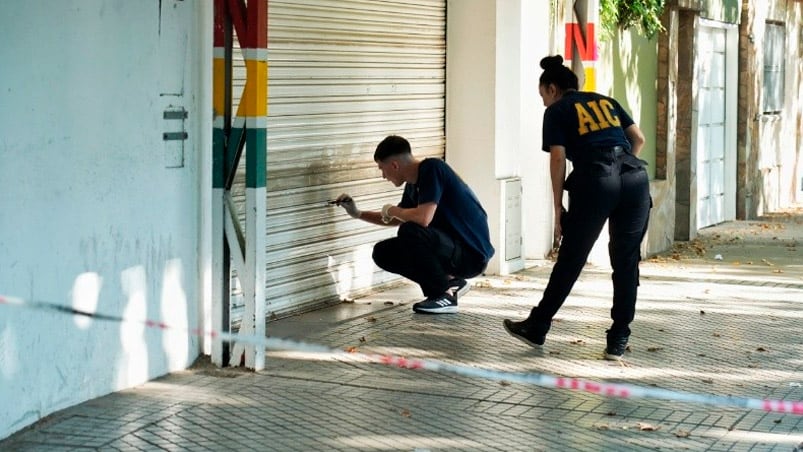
(347, 203)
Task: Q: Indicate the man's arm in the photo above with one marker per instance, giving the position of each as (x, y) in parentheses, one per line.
(347, 202)
(390, 215)
(376, 218)
(422, 214)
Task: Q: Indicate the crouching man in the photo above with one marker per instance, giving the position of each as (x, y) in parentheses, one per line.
(443, 233)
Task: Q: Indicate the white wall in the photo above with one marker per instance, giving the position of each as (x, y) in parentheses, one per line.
(493, 111)
(537, 36)
(91, 216)
(470, 102)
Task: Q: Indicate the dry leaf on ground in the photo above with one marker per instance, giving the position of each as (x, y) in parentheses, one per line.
(645, 427)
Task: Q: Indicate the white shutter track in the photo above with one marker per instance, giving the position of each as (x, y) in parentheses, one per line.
(343, 74)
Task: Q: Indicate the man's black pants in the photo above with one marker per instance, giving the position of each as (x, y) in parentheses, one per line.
(428, 257)
(619, 194)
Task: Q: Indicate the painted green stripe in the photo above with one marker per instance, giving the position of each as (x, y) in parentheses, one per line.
(218, 158)
(256, 148)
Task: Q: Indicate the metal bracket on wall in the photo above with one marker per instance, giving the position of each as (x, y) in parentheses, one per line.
(174, 156)
(167, 136)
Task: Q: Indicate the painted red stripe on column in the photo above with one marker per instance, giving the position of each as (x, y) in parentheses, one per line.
(258, 24)
(219, 35)
(238, 12)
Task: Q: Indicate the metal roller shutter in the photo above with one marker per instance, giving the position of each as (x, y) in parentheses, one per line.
(343, 75)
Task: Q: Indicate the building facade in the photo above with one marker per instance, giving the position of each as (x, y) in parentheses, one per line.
(106, 154)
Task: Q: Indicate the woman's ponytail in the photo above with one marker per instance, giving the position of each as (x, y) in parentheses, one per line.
(557, 74)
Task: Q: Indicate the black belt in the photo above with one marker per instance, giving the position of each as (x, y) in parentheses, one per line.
(616, 150)
(604, 155)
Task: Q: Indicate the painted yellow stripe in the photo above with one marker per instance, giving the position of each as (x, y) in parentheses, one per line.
(255, 94)
(591, 79)
(218, 85)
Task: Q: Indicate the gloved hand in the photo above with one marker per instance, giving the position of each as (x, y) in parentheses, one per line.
(347, 203)
(386, 216)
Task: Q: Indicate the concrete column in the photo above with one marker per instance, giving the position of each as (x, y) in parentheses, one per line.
(493, 112)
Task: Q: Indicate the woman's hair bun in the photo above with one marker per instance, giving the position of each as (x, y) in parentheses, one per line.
(551, 62)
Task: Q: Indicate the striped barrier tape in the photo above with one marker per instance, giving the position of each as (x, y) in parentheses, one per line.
(548, 381)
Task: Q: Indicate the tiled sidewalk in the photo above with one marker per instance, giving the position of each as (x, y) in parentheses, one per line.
(708, 326)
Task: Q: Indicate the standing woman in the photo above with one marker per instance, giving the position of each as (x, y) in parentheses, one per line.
(608, 182)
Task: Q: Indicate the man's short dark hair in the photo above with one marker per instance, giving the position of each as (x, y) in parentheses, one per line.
(390, 146)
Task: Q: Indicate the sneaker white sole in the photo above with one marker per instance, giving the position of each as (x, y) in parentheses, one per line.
(443, 310)
(611, 357)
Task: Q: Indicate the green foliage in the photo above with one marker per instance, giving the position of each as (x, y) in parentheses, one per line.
(643, 15)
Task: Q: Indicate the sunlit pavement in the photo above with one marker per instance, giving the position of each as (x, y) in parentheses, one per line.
(720, 315)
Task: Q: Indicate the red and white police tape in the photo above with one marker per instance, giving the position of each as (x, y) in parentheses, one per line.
(543, 380)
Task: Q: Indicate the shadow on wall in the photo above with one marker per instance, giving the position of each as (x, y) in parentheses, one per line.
(50, 360)
(634, 85)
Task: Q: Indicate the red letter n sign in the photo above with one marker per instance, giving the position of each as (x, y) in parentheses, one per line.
(586, 46)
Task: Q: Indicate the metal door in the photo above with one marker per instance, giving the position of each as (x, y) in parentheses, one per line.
(343, 74)
(711, 130)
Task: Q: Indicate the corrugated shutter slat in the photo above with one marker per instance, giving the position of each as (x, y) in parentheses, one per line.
(342, 75)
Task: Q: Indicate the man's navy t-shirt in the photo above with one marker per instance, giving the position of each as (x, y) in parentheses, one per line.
(459, 213)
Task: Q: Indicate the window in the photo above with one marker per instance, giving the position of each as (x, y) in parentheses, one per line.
(774, 52)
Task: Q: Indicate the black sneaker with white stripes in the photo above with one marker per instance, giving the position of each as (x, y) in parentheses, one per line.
(442, 304)
(459, 287)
